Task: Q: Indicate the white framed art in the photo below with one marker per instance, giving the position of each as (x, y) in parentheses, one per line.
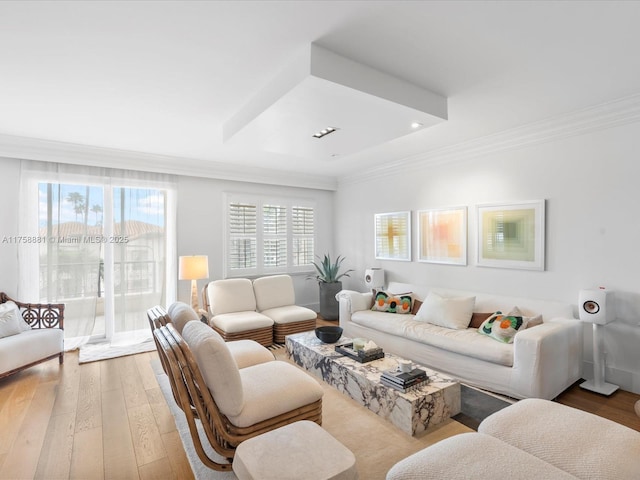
(442, 235)
(393, 236)
(511, 235)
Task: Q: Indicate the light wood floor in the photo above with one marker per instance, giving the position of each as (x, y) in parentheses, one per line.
(100, 420)
(109, 420)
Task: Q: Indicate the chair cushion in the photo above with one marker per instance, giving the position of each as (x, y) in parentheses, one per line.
(249, 352)
(180, 314)
(274, 388)
(274, 291)
(218, 368)
(231, 295)
(241, 321)
(29, 346)
(290, 313)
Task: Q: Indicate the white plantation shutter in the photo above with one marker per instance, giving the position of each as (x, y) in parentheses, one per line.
(274, 230)
(242, 251)
(302, 235)
(266, 236)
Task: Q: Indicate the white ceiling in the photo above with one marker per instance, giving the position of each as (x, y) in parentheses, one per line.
(164, 77)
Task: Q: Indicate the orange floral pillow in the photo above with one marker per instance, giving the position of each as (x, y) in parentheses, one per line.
(391, 302)
(502, 327)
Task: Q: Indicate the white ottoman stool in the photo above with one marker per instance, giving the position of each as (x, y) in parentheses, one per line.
(301, 450)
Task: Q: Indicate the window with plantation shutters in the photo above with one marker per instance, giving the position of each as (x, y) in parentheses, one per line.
(274, 230)
(265, 236)
(302, 235)
(242, 248)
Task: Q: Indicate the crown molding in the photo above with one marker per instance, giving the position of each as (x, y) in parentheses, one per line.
(51, 151)
(606, 115)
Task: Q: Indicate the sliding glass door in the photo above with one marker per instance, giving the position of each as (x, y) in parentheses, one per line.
(104, 253)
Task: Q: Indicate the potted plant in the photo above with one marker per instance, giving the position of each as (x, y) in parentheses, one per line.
(328, 278)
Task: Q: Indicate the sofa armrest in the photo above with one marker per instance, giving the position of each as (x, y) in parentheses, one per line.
(350, 302)
(547, 358)
(39, 315)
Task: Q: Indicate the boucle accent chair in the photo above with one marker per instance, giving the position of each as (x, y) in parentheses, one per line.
(36, 337)
(244, 352)
(531, 439)
(232, 404)
(276, 298)
(582, 444)
(232, 305)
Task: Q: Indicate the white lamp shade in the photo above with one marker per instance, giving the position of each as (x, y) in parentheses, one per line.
(193, 267)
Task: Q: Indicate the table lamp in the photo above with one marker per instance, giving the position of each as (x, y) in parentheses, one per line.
(194, 268)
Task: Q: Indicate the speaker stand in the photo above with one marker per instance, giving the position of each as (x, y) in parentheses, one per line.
(598, 384)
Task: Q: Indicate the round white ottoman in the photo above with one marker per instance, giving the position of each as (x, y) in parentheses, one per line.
(301, 450)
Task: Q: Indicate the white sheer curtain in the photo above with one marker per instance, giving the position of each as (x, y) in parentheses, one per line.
(101, 241)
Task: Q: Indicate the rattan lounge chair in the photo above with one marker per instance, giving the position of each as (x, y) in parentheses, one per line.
(196, 400)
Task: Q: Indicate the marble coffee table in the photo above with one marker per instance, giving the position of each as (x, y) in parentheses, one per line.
(413, 412)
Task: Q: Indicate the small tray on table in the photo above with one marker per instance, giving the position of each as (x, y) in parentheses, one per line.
(361, 356)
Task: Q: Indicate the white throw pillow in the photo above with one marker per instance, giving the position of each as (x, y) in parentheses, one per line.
(11, 322)
(449, 312)
(530, 321)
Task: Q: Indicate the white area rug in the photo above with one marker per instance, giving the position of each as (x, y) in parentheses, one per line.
(376, 443)
(200, 471)
(92, 352)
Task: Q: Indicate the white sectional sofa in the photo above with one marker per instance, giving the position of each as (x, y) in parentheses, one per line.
(541, 362)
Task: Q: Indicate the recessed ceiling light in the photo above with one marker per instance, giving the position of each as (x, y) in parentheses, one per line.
(324, 131)
(416, 125)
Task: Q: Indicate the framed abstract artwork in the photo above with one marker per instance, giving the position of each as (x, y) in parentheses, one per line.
(442, 235)
(393, 236)
(511, 235)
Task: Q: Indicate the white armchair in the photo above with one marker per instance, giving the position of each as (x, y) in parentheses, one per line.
(232, 404)
(232, 305)
(276, 298)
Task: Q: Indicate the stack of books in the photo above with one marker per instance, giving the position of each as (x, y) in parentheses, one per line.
(404, 381)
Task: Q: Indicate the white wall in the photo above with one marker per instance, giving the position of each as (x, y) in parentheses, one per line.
(200, 220)
(9, 225)
(590, 183)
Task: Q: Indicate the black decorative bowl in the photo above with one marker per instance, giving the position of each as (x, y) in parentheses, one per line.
(329, 334)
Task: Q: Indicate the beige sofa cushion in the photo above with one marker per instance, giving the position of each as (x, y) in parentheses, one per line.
(274, 388)
(29, 346)
(240, 321)
(466, 342)
(290, 313)
(180, 314)
(274, 291)
(219, 369)
(231, 295)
